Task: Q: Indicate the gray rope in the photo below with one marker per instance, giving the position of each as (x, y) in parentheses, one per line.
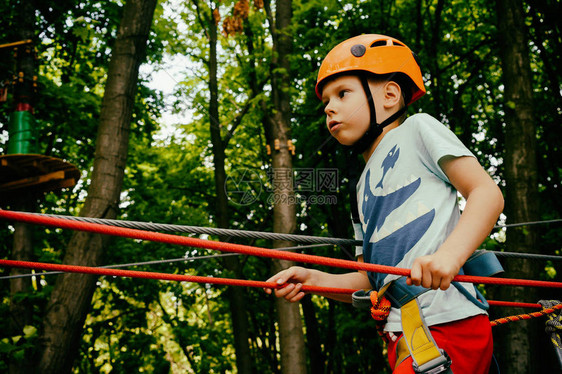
(528, 256)
(528, 223)
(26, 275)
(149, 226)
(154, 262)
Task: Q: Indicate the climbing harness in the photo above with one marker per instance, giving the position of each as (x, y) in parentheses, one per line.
(416, 340)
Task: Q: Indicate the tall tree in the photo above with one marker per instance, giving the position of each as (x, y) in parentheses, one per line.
(284, 213)
(72, 293)
(237, 302)
(22, 250)
(518, 346)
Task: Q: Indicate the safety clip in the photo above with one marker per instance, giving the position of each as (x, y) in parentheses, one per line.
(441, 364)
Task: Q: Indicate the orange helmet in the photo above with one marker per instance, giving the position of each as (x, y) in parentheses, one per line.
(378, 54)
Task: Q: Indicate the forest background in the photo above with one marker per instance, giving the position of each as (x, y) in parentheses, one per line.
(246, 78)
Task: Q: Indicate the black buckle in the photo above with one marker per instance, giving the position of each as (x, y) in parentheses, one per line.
(361, 299)
(441, 364)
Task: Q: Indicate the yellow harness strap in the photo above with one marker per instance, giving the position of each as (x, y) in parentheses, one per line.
(418, 341)
(417, 334)
(402, 352)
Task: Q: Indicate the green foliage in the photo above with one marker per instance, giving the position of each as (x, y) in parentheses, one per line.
(145, 325)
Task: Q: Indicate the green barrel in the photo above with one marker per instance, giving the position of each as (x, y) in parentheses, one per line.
(21, 133)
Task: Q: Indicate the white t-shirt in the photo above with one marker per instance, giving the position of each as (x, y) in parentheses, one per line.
(408, 208)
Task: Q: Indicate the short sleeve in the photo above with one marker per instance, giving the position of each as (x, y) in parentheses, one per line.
(437, 141)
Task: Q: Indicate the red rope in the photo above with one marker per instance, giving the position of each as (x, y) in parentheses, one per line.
(514, 304)
(161, 276)
(243, 283)
(198, 279)
(249, 250)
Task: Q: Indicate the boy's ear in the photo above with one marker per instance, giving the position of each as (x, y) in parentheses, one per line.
(392, 94)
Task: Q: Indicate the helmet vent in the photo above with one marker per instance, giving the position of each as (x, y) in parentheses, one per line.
(384, 43)
(379, 43)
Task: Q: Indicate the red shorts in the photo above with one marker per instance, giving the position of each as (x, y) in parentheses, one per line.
(468, 343)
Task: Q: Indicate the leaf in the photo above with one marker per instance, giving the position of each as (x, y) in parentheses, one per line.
(6, 347)
(29, 331)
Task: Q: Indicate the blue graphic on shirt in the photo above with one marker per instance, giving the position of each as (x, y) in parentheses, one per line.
(389, 163)
(386, 243)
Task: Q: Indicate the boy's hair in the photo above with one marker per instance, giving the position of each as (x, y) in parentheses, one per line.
(405, 83)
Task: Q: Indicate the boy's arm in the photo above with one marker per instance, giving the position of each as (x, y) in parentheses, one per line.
(297, 276)
(484, 203)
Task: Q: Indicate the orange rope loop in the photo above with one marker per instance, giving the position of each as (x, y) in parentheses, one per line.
(381, 307)
(521, 317)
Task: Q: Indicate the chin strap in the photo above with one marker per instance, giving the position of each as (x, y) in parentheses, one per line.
(375, 129)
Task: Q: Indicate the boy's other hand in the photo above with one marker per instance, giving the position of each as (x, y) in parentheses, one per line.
(294, 277)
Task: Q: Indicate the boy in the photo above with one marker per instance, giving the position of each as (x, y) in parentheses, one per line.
(407, 205)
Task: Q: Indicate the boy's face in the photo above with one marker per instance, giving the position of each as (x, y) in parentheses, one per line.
(346, 108)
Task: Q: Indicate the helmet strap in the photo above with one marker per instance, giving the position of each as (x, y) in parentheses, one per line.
(375, 129)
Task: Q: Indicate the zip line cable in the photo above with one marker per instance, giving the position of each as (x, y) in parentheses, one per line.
(154, 262)
(149, 226)
(118, 266)
(207, 230)
(104, 271)
(162, 276)
(248, 283)
(528, 223)
(245, 249)
(210, 280)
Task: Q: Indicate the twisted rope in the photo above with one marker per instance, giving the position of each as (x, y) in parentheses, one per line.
(250, 250)
(162, 276)
(149, 226)
(155, 262)
(520, 317)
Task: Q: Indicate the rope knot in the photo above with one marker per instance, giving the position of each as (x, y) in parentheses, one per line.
(554, 322)
(381, 307)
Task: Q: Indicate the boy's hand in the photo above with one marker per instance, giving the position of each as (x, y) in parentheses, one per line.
(295, 276)
(435, 271)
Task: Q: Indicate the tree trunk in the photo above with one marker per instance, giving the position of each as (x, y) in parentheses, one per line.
(313, 339)
(517, 345)
(235, 295)
(21, 309)
(291, 335)
(22, 249)
(72, 294)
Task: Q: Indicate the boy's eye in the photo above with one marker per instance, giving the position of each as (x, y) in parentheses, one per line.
(342, 93)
